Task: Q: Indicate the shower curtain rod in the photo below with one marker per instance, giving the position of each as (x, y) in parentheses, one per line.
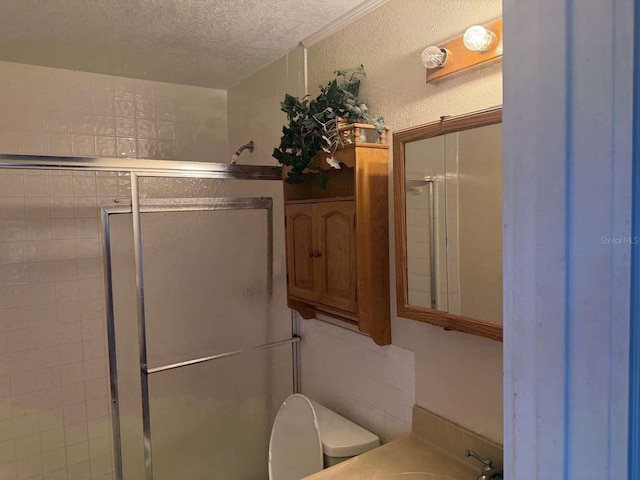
(142, 166)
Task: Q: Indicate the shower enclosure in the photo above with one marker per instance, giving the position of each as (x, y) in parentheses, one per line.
(163, 281)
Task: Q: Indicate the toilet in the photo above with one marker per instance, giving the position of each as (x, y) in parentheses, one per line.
(307, 437)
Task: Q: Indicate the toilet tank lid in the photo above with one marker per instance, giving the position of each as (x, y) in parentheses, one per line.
(341, 437)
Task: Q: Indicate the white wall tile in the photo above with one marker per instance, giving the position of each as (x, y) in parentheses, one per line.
(35, 251)
(7, 451)
(28, 467)
(394, 428)
(59, 102)
(14, 274)
(125, 127)
(127, 147)
(95, 388)
(8, 470)
(31, 98)
(50, 418)
(11, 186)
(32, 119)
(71, 373)
(52, 439)
(397, 374)
(104, 126)
(77, 470)
(24, 404)
(53, 460)
(70, 353)
(144, 109)
(74, 413)
(59, 144)
(58, 122)
(103, 105)
(81, 123)
(23, 361)
(76, 433)
(10, 141)
(49, 400)
(105, 146)
(24, 425)
(373, 386)
(54, 397)
(79, 454)
(23, 383)
(27, 446)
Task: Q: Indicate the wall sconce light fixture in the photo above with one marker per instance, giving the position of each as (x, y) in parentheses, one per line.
(478, 39)
(480, 45)
(434, 57)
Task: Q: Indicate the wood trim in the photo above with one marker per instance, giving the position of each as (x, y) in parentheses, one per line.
(344, 267)
(448, 124)
(369, 182)
(460, 59)
(446, 320)
(372, 256)
(293, 251)
(308, 309)
(302, 307)
(474, 327)
(320, 200)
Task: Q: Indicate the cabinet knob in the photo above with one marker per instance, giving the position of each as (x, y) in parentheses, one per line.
(315, 253)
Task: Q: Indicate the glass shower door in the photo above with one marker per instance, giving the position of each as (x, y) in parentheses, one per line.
(218, 333)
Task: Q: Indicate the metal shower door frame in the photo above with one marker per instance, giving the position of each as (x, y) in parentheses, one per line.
(137, 208)
(144, 168)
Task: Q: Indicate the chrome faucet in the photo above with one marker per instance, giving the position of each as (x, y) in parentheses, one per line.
(488, 472)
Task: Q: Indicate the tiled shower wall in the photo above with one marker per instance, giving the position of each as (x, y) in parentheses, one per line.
(61, 112)
(54, 403)
(54, 399)
(433, 158)
(372, 385)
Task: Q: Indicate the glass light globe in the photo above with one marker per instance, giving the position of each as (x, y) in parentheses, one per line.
(478, 39)
(433, 57)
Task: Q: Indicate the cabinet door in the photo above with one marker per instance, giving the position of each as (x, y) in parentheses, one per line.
(335, 223)
(300, 251)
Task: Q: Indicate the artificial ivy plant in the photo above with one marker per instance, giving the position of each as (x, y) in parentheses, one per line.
(313, 125)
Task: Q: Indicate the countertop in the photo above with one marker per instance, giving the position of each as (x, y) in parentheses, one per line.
(406, 454)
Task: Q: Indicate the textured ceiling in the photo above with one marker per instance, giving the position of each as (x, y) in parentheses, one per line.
(211, 43)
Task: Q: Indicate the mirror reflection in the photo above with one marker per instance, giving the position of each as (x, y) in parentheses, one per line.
(453, 211)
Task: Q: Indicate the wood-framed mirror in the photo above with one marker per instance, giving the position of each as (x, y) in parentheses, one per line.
(448, 222)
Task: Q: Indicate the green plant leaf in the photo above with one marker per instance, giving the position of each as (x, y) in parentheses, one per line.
(313, 123)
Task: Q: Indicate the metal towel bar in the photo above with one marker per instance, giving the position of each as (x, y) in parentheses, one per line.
(195, 361)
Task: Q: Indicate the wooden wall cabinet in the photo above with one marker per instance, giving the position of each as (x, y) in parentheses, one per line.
(337, 242)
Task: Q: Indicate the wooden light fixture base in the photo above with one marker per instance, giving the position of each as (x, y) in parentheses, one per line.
(460, 59)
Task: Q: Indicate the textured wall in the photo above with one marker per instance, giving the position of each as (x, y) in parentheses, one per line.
(389, 40)
(457, 376)
(254, 107)
(60, 112)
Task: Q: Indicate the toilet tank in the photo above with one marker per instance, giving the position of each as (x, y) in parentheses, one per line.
(341, 438)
